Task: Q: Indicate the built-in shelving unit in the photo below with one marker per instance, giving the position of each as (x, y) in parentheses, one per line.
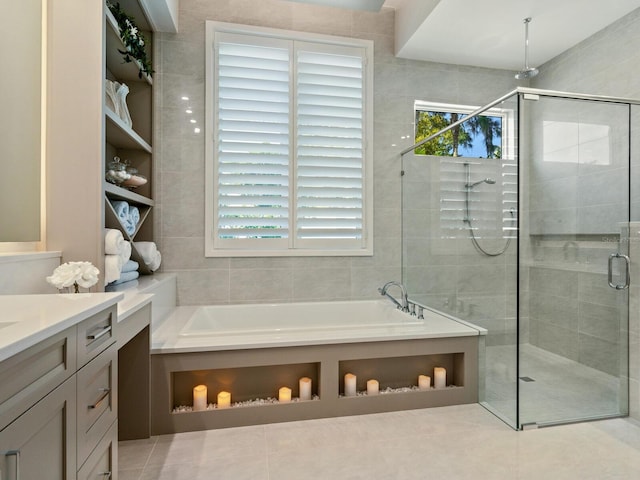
(259, 373)
(131, 143)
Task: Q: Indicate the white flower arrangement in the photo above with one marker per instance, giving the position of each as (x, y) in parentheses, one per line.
(76, 274)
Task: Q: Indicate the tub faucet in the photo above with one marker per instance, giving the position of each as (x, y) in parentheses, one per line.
(404, 306)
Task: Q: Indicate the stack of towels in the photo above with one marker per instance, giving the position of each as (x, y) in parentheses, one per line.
(150, 254)
(128, 215)
(118, 266)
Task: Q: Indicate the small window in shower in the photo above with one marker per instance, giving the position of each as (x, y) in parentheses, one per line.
(479, 137)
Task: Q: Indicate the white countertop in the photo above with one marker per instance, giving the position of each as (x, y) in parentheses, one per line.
(28, 319)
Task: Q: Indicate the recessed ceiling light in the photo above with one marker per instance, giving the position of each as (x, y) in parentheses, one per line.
(185, 98)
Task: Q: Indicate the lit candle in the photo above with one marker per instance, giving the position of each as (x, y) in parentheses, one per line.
(373, 387)
(350, 385)
(305, 388)
(424, 382)
(284, 395)
(199, 398)
(440, 377)
(224, 400)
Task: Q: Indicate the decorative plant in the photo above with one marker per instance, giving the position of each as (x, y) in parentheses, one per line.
(78, 274)
(133, 39)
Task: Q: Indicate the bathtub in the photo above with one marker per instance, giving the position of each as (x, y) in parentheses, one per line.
(225, 327)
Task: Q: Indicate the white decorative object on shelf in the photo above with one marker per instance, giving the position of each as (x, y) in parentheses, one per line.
(305, 388)
(373, 387)
(424, 382)
(122, 91)
(350, 385)
(224, 399)
(199, 398)
(440, 377)
(111, 96)
(284, 395)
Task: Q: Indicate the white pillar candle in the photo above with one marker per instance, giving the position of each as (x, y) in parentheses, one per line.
(284, 395)
(424, 382)
(350, 385)
(224, 400)
(305, 388)
(373, 387)
(439, 377)
(199, 398)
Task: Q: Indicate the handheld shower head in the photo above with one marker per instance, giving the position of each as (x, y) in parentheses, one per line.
(489, 181)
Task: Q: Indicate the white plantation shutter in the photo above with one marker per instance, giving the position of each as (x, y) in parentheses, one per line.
(253, 138)
(330, 152)
(289, 162)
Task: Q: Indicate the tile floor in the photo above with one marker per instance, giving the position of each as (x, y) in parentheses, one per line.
(459, 442)
(562, 389)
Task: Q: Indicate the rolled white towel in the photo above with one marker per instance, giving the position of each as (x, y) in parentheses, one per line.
(147, 251)
(113, 241)
(112, 268)
(125, 254)
(153, 266)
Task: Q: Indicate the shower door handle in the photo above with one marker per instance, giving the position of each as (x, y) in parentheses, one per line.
(627, 277)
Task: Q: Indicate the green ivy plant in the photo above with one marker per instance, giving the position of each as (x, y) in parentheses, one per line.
(133, 39)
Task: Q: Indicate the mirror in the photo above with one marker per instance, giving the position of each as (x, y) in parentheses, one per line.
(21, 120)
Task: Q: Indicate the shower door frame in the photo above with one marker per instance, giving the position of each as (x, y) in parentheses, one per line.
(521, 93)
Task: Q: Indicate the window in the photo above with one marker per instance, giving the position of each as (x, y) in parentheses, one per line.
(289, 168)
(481, 148)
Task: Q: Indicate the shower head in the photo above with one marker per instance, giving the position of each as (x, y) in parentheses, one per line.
(489, 181)
(527, 72)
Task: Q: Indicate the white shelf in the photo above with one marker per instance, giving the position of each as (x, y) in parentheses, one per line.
(119, 193)
(120, 135)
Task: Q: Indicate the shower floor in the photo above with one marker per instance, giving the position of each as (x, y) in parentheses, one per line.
(552, 388)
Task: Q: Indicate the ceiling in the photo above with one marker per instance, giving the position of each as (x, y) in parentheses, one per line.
(490, 33)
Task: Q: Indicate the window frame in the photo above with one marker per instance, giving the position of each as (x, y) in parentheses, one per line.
(284, 247)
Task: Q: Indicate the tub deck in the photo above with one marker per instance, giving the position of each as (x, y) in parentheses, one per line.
(183, 331)
(253, 368)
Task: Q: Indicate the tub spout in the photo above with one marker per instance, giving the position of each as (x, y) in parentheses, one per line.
(404, 304)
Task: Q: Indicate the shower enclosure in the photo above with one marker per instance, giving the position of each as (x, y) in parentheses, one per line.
(532, 247)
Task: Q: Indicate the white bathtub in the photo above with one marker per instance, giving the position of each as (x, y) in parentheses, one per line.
(226, 327)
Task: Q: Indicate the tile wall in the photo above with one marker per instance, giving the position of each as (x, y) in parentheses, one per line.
(179, 215)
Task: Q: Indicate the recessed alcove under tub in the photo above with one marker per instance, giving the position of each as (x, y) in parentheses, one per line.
(253, 350)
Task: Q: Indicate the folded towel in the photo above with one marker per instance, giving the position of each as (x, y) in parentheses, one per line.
(134, 216)
(147, 250)
(112, 268)
(125, 253)
(126, 277)
(122, 210)
(153, 266)
(113, 241)
(130, 266)
(121, 286)
(129, 227)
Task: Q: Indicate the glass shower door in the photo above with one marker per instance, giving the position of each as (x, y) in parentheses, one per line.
(573, 242)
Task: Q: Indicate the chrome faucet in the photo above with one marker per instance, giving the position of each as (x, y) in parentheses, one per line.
(404, 306)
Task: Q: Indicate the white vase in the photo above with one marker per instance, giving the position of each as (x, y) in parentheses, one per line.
(111, 97)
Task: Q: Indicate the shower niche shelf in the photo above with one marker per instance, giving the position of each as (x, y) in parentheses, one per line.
(250, 374)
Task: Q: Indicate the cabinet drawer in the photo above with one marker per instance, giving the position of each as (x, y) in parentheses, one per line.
(97, 400)
(28, 376)
(95, 334)
(103, 461)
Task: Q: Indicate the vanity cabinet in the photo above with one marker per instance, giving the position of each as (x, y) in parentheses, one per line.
(131, 142)
(58, 404)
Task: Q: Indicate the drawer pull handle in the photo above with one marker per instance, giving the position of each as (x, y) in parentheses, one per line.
(16, 454)
(103, 331)
(106, 393)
